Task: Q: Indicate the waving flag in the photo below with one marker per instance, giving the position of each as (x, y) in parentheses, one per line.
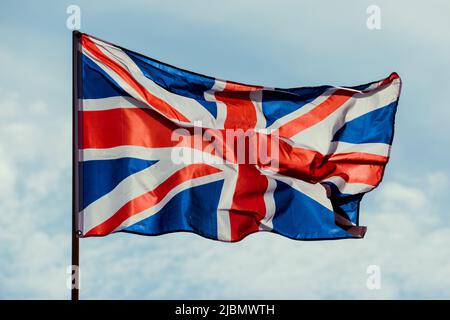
(155, 153)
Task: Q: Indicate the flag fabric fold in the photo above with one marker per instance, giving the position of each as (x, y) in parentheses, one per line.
(155, 153)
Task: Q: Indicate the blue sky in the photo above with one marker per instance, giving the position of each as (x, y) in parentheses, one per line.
(273, 43)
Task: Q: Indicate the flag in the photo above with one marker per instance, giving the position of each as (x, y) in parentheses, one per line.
(162, 149)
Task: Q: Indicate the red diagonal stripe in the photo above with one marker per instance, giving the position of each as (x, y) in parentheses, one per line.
(154, 101)
(323, 110)
(151, 198)
(389, 79)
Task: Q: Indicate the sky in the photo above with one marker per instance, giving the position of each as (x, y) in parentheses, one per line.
(271, 43)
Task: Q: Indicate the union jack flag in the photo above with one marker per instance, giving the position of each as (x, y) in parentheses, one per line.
(333, 144)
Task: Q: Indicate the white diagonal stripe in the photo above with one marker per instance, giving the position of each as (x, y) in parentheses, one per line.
(349, 188)
(381, 149)
(225, 203)
(173, 192)
(141, 182)
(266, 223)
(319, 136)
(112, 103)
(315, 191)
(131, 187)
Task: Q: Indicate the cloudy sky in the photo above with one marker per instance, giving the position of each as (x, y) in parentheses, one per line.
(273, 43)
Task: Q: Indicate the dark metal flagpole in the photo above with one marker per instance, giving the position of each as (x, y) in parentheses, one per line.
(76, 37)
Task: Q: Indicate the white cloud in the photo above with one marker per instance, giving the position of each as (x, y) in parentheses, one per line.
(33, 175)
(395, 194)
(438, 181)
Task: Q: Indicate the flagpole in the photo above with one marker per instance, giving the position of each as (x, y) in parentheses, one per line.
(76, 36)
